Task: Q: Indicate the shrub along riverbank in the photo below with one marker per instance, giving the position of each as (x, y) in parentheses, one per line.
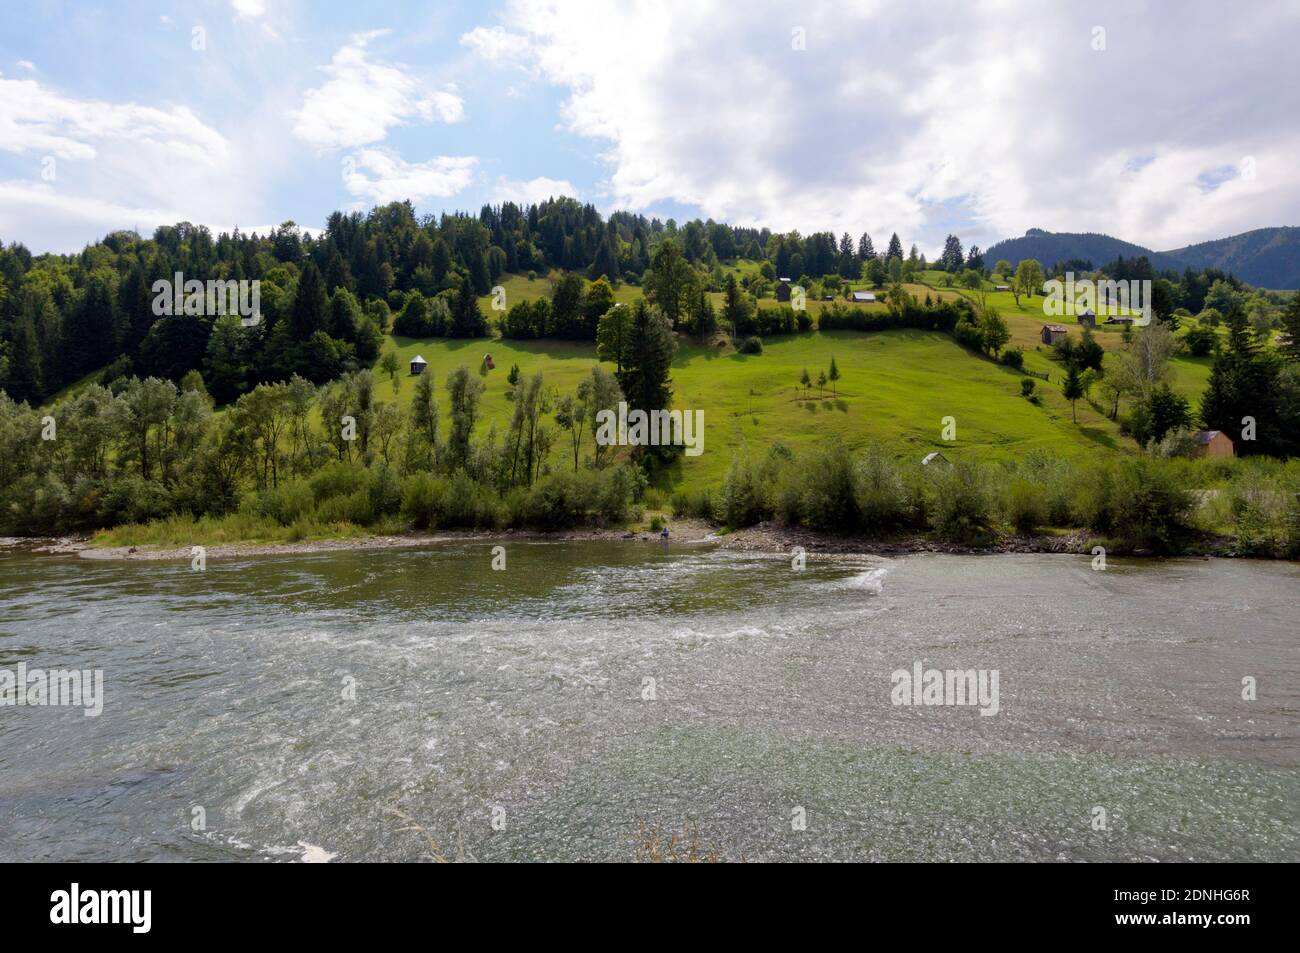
(153, 465)
(1165, 506)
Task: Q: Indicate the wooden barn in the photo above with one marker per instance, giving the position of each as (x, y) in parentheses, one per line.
(783, 290)
(1212, 443)
(418, 364)
(1053, 333)
(1088, 318)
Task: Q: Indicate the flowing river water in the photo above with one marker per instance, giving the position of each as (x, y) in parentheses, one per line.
(591, 700)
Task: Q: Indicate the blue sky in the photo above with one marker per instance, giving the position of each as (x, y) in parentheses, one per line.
(1161, 123)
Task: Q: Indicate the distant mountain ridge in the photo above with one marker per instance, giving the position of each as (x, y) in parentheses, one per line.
(1263, 257)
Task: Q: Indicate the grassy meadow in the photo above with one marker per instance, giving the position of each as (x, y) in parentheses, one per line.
(896, 388)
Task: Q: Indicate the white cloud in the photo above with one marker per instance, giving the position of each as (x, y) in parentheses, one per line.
(36, 118)
(93, 166)
(532, 191)
(27, 65)
(495, 43)
(364, 98)
(984, 119)
(381, 176)
(249, 9)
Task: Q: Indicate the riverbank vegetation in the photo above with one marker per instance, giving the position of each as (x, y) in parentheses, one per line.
(1161, 505)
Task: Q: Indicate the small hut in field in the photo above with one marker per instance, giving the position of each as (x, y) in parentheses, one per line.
(418, 364)
(1212, 443)
(1053, 333)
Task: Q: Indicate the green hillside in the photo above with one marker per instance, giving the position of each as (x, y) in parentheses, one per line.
(896, 388)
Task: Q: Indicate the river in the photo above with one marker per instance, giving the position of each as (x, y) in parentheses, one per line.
(591, 700)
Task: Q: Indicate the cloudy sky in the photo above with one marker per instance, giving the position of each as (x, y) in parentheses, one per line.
(1163, 123)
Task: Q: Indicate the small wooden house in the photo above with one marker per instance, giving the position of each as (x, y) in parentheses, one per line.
(1212, 443)
(1001, 287)
(1088, 318)
(783, 290)
(418, 364)
(1053, 333)
(865, 297)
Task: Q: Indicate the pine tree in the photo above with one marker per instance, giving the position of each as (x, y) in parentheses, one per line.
(895, 247)
(735, 307)
(24, 381)
(135, 302)
(834, 376)
(645, 375)
(308, 313)
(467, 319)
(1072, 388)
(1291, 322)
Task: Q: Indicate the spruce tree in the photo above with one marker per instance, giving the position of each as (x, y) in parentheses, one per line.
(308, 313)
(645, 376)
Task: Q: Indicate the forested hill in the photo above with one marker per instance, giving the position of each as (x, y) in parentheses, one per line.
(326, 300)
(1264, 257)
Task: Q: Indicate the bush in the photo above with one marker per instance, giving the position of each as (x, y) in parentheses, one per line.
(353, 508)
(385, 491)
(1142, 503)
(959, 501)
(285, 504)
(829, 498)
(880, 496)
(1179, 442)
(1024, 505)
(467, 503)
(751, 345)
(1027, 385)
(743, 502)
(693, 504)
(565, 499)
(125, 499)
(338, 479)
(1264, 512)
(557, 501)
(620, 487)
(1013, 357)
(420, 496)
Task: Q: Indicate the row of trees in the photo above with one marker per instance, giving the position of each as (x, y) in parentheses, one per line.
(146, 449)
